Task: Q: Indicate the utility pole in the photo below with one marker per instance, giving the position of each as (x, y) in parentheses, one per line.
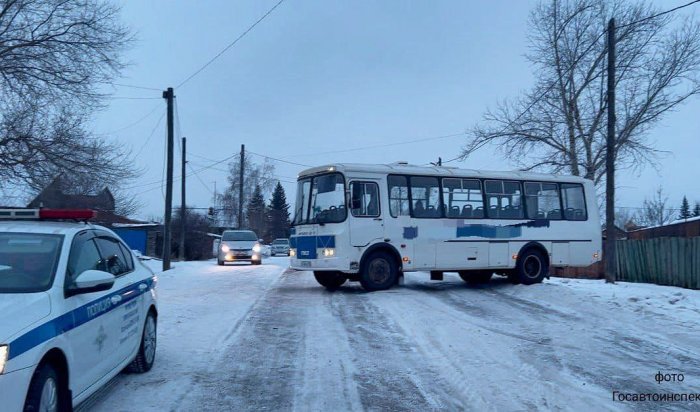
(183, 207)
(240, 188)
(609, 253)
(169, 95)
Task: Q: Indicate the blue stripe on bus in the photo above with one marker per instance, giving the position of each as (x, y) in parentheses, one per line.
(306, 246)
(75, 318)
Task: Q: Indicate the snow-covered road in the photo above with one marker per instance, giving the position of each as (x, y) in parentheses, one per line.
(263, 338)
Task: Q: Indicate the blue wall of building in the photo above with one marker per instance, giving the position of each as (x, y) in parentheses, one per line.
(134, 238)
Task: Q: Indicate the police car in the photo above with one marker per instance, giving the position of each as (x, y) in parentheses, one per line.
(77, 307)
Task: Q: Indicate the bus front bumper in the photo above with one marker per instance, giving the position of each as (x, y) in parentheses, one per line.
(324, 264)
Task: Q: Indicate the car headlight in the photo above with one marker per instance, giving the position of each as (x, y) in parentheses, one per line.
(292, 252)
(4, 353)
(256, 248)
(225, 248)
(328, 252)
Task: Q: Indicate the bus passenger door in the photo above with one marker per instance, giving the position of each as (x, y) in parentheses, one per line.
(366, 220)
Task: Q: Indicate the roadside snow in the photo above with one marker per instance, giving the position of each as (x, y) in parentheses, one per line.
(255, 338)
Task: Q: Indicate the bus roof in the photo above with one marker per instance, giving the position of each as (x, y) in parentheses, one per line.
(404, 168)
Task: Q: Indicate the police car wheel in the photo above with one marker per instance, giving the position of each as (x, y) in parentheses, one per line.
(330, 280)
(476, 276)
(46, 391)
(220, 262)
(379, 272)
(143, 362)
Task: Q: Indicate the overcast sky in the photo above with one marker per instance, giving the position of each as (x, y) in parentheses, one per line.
(324, 76)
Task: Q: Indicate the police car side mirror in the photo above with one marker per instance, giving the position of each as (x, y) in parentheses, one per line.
(91, 281)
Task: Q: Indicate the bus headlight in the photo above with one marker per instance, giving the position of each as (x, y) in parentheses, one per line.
(292, 252)
(225, 248)
(4, 353)
(328, 252)
(256, 248)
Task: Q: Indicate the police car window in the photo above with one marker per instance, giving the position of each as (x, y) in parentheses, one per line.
(112, 255)
(128, 257)
(84, 256)
(28, 261)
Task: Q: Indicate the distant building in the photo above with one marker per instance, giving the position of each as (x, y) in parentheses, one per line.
(138, 235)
(680, 228)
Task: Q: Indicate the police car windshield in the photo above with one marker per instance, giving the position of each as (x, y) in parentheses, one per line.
(240, 235)
(28, 261)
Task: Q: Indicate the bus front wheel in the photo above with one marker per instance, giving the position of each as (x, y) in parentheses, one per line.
(330, 280)
(380, 272)
(476, 276)
(532, 267)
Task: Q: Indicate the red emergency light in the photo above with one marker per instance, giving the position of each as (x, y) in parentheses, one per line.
(47, 214)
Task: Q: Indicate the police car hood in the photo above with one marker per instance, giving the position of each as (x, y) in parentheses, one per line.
(240, 244)
(21, 311)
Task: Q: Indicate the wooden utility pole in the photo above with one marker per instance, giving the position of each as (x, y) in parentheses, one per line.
(169, 95)
(183, 204)
(240, 188)
(609, 253)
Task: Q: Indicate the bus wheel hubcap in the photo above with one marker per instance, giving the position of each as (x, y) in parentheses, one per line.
(379, 270)
(532, 267)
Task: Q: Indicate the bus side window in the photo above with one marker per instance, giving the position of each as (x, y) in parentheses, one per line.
(425, 193)
(574, 202)
(542, 201)
(398, 196)
(364, 199)
(504, 199)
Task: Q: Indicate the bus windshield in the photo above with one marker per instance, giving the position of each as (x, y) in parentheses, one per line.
(321, 199)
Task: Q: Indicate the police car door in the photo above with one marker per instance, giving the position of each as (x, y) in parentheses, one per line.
(125, 318)
(88, 337)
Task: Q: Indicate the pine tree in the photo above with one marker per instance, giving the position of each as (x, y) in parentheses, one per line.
(696, 210)
(255, 212)
(278, 214)
(685, 209)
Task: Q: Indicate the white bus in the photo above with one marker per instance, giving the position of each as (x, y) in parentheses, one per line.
(372, 223)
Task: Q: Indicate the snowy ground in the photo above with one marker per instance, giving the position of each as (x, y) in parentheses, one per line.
(262, 338)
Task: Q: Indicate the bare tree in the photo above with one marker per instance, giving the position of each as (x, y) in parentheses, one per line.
(560, 124)
(254, 174)
(655, 211)
(54, 54)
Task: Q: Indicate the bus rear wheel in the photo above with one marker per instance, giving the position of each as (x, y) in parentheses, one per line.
(380, 272)
(330, 280)
(476, 276)
(532, 267)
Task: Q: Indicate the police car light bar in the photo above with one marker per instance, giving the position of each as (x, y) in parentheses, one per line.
(46, 214)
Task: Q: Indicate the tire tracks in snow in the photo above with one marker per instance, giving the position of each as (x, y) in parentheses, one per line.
(392, 373)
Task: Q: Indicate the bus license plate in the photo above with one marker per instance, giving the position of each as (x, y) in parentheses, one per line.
(305, 264)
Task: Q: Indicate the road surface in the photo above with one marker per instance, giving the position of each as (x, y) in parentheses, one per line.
(264, 338)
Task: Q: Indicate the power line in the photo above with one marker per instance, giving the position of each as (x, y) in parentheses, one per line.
(132, 98)
(148, 139)
(659, 14)
(131, 86)
(233, 43)
(147, 115)
(278, 160)
(425, 139)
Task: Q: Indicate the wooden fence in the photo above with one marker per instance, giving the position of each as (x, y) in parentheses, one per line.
(673, 261)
